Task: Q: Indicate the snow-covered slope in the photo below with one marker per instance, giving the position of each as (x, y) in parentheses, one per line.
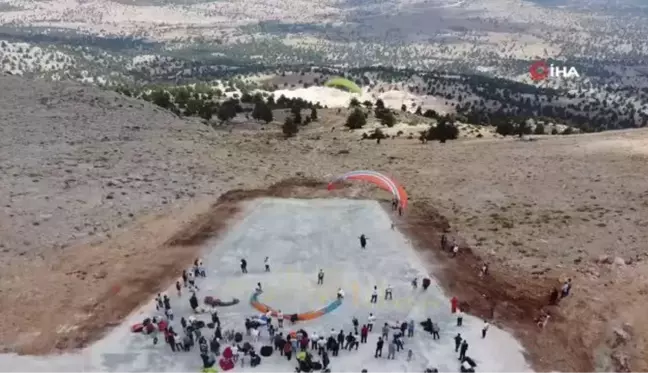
(300, 237)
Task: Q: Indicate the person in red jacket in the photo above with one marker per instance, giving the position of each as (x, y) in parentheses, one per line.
(288, 350)
(363, 333)
(454, 303)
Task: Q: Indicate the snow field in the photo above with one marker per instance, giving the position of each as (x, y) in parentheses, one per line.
(300, 237)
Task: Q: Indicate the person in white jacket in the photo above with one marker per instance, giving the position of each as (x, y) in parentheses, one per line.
(460, 316)
(255, 334)
(340, 293)
(485, 328)
(370, 321)
(314, 338)
(280, 318)
(388, 292)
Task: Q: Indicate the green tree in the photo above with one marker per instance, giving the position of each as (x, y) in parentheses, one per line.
(380, 104)
(521, 128)
(403, 108)
(193, 107)
(504, 128)
(354, 103)
(207, 110)
(226, 111)
(260, 109)
(356, 119)
(539, 129)
(444, 130)
(246, 98)
(266, 114)
(289, 128)
(419, 111)
(568, 131)
(429, 113)
(388, 119)
(182, 96)
(368, 104)
(161, 98)
(313, 114)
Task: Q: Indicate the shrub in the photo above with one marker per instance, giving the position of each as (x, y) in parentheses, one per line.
(356, 119)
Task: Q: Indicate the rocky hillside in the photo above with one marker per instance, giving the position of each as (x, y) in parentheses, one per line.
(78, 162)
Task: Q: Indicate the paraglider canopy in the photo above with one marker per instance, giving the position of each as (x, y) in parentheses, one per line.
(344, 84)
(381, 180)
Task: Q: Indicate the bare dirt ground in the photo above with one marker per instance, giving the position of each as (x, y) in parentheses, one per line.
(96, 187)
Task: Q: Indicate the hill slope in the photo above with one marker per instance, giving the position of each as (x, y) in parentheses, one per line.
(77, 161)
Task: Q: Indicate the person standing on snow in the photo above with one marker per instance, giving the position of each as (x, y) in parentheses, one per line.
(455, 250)
(364, 332)
(280, 318)
(179, 289)
(371, 320)
(458, 341)
(374, 295)
(320, 277)
(244, 266)
(321, 346)
(485, 328)
(258, 289)
(191, 278)
(167, 302)
(454, 304)
(435, 331)
(415, 283)
(340, 293)
(363, 241)
(159, 305)
(325, 360)
(184, 278)
(379, 347)
(410, 329)
(355, 322)
(426, 283)
(459, 317)
(388, 292)
(391, 350)
(463, 349)
(267, 263)
(255, 334)
(314, 339)
(193, 302)
(385, 331)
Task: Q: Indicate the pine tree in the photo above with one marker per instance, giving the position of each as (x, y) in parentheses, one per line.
(356, 119)
(289, 128)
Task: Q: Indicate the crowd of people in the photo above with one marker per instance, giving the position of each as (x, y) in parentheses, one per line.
(312, 351)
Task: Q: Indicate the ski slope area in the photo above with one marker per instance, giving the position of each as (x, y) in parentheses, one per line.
(300, 237)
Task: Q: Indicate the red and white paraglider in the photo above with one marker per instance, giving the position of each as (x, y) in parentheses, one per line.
(381, 180)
